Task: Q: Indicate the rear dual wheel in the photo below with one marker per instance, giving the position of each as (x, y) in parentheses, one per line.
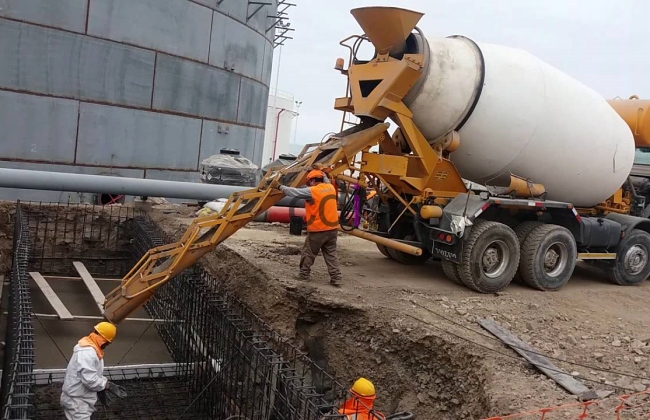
(548, 257)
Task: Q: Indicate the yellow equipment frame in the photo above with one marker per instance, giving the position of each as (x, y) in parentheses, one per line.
(423, 174)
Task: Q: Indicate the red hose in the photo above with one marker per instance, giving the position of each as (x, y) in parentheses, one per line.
(277, 214)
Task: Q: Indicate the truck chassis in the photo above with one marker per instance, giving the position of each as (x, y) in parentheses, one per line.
(485, 241)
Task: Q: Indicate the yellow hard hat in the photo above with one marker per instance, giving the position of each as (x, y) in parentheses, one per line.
(363, 387)
(106, 330)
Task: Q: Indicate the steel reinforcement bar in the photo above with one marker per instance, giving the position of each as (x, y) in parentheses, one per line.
(17, 373)
(240, 367)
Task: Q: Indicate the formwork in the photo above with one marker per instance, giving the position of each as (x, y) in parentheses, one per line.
(227, 362)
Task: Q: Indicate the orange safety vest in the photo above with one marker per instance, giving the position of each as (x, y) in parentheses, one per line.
(359, 409)
(322, 214)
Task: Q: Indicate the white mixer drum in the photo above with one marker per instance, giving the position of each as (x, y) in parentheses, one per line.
(516, 113)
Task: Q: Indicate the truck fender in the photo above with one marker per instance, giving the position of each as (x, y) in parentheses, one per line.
(628, 223)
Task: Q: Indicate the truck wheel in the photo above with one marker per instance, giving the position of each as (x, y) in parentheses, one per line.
(548, 257)
(490, 257)
(451, 271)
(408, 259)
(383, 250)
(631, 265)
(522, 231)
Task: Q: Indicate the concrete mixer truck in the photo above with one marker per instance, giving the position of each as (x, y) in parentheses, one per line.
(501, 166)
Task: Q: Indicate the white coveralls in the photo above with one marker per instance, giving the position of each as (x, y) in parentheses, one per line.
(84, 378)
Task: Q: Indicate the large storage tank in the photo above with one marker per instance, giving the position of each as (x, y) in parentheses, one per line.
(513, 112)
(136, 88)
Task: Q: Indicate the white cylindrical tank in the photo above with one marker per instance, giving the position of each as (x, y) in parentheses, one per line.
(517, 113)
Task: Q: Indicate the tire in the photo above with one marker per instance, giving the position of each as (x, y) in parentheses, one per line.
(522, 231)
(494, 238)
(408, 259)
(632, 265)
(384, 250)
(451, 271)
(548, 257)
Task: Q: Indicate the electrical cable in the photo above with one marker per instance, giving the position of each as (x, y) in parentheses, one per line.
(51, 338)
(136, 341)
(524, 361)
(208, 385)
(529, 351)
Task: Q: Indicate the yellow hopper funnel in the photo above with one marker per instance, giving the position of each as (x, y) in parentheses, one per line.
(386, 27)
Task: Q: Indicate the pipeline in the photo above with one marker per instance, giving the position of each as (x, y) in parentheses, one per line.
(102, 184)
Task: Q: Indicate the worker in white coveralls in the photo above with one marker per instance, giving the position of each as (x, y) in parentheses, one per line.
(84, 377)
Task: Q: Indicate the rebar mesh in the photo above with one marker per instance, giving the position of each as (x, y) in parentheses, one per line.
(228, 361)
(241, 367)
(95, 235)
(18, 365)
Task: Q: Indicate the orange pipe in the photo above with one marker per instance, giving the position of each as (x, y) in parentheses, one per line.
(277, 214)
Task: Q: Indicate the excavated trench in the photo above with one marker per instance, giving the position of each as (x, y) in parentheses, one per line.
(259, 371)
(414, 368)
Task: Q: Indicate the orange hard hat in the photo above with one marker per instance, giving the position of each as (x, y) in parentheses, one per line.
(315, 174)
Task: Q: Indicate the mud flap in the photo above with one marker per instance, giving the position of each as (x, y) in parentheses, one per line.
(449, 252)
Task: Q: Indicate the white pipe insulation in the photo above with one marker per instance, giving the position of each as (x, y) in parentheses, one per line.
(101, 184)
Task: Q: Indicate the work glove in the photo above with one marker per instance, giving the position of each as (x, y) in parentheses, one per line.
(116, 389)
(103, 398)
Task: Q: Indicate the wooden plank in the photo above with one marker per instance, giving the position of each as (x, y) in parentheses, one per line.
(99, 318)
(542, 363)
(91, 284)
(65, 278)
(51, 296)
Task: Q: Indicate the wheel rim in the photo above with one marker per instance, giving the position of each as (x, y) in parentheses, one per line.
(495, 259)
(636, 258)
(555, 259)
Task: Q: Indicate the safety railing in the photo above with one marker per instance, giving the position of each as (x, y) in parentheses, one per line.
(616, 407)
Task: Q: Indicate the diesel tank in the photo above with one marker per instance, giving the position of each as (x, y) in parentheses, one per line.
(516, 113)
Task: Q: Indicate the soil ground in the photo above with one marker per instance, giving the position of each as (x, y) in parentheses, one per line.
(414, 333)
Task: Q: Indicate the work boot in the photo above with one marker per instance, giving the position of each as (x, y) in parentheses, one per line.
(336, 282)
(300, 277)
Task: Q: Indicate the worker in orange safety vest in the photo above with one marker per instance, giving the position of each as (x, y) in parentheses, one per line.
(321, 214)
(359, 406)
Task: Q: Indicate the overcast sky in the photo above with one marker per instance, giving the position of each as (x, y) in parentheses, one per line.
(605, 44)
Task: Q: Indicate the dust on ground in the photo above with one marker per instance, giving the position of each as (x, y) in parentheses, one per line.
(415, 333)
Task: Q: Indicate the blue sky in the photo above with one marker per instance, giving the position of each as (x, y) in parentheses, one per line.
(602, 43)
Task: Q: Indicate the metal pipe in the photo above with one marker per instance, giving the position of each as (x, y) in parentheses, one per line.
(384, 241)
(102, 184)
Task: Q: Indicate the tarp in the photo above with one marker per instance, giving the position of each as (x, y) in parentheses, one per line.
(229, 168)
(282, 160)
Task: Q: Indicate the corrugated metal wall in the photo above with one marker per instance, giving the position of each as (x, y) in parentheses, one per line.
(138, 88)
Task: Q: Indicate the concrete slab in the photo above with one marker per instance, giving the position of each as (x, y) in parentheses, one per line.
(252, 103)
(59, 63)
(65, 14)
(114, 136)
(236, 47)
(47, 135)
(195, 89)
(177, 27)
(216, 136)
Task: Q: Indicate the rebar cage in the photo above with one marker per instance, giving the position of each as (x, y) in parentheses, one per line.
(228, 362)
(18, 355)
